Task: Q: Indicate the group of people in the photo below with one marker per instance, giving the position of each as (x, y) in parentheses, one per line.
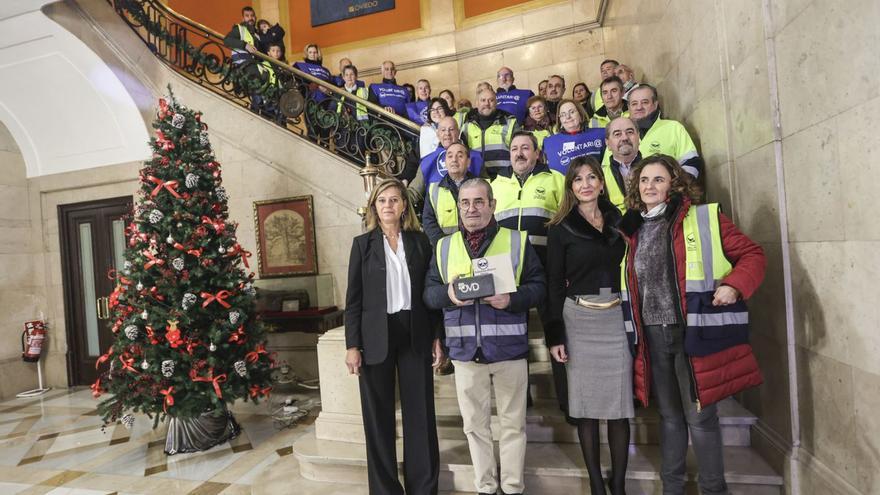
(639, 287)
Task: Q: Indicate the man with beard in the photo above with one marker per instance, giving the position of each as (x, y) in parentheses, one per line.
(661, 136)
(242, 38)
(489, 130)
(622, 141)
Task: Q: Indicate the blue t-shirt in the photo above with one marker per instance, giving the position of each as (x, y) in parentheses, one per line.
(514, 102)
(391, 95)
(318, 71)
(417, 111)
(433, 165)
(561, 148)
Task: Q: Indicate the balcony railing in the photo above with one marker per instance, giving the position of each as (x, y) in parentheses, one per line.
(299, 102)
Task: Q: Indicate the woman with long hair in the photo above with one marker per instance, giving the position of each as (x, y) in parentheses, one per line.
(390, 338)
(581, 94)
(688, 273)
(585, 327)
(428, 140)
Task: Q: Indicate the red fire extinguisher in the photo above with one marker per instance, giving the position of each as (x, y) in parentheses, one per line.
(32, 340)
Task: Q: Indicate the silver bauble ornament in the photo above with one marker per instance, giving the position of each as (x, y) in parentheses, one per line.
(145, 365)
(139, 286)
(127, 421)
(156, 216)
(177, 263)
(167, 368)
(178, 120)
(131, 332)
(240, 368)
(233, 317)
(145, 315)
(212, 347)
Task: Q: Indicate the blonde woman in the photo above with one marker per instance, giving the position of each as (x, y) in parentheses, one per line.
(390, 339)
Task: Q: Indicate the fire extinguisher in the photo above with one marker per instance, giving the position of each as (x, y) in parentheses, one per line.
(32, 340)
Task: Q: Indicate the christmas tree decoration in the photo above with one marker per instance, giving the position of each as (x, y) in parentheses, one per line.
(167, 368)
(173, 299)
(127, 421)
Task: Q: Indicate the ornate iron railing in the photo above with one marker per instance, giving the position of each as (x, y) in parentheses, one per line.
(384, 139)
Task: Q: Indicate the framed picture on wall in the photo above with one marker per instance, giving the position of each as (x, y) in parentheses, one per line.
(285, 231)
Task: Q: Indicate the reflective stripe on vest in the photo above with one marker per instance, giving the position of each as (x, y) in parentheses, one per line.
(360, 108)
(537, 199)
(493, 143)
(241, 55)
(705, 268)
(453, 259)
(445, 209)
(669, 137)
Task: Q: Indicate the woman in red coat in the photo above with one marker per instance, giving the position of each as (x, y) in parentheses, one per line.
(688, 272)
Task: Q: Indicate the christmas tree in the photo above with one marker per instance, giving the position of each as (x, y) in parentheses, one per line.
(187, 339)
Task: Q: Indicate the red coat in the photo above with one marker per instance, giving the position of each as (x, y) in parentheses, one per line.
(723, 373)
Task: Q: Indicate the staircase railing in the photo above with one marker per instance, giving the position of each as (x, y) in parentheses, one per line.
(383, 140)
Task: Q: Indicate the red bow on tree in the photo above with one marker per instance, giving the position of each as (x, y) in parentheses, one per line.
(238, 336)
(219, 297)
(219, 225)
(256, 390)
(96, 388)
(127, 362)
(169, 185)
(215, 380)
(254, 355)
(237, 249)
(104, 357)
(169, 399)
(163, 142)
(163, 108)
(153, 259)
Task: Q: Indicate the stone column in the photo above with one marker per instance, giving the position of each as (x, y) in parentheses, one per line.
(340, 418)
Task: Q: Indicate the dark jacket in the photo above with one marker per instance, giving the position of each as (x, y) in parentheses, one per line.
(275, 35)
(720, 374)
(529, 293)
(366, 319)
(580, 261)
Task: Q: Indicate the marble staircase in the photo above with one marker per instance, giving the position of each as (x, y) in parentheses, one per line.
(553, 458)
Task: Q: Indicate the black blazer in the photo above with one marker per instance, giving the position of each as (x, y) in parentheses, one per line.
(366, 319)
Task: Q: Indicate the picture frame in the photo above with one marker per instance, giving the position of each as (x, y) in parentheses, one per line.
(286, 242)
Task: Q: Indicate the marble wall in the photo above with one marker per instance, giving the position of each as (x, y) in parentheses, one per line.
(717, 65)
(22, 272)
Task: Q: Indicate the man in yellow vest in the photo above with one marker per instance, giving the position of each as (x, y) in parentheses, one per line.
(440, 214)
(622, 142)
(661, 136)
(487, 337)
(613, 103)
(488, 130)
(528, 192)
(242, 37)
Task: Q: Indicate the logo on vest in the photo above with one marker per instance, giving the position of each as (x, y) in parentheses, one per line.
(655, 146)
(441, 164)
(482, 263)
(540, 192)
(691, 242)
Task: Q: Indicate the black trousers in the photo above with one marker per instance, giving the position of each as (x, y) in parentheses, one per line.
(421, 457)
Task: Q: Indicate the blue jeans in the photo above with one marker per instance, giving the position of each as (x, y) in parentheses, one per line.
(671, 386)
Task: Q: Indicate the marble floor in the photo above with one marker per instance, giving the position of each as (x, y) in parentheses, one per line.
(56, 445)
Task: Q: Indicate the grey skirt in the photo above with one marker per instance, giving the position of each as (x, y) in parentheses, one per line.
(599, 366)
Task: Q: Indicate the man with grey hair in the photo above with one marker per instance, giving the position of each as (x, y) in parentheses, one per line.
(659, 135)
(510, 98)
(622, 142)
(487, 337)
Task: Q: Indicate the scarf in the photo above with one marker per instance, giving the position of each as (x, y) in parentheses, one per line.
(475, 239)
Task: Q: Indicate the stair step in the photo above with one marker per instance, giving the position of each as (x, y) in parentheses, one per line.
(546, 423)
(549, 468)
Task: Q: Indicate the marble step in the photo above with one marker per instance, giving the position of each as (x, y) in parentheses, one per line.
(545, 423)
(550, 468)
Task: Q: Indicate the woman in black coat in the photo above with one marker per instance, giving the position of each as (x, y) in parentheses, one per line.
(585, 328)
(391, 337)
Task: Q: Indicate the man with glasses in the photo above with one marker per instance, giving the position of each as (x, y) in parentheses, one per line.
(487, 337)
(511, 99)
(432, 168)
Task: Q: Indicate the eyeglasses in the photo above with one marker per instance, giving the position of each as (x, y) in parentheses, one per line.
(477, 204)
(436, 109)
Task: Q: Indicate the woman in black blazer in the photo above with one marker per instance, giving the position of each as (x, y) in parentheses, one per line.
(390, 335)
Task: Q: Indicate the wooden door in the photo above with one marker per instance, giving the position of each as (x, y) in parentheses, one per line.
(92, 244)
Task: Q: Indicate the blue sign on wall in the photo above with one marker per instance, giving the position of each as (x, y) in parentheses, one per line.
(327, 11)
